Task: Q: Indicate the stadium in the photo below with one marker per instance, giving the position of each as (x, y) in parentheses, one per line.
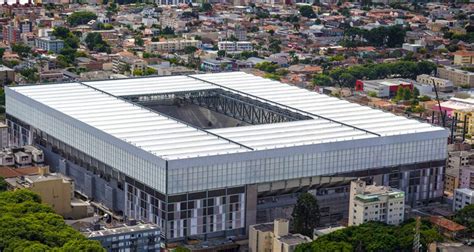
(209, 154)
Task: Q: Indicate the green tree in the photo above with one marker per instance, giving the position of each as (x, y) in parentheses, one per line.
(307, 11)
(206, 7)
(266, 66)
(306, 214)
(139, 41)
(465, 217)
(221, 53)
(81, 17)
(95, 42)
(322, 80)
(3, 183)
(190, 49)
(22, 49)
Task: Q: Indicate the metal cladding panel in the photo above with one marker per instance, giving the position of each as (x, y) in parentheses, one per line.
(125, 157)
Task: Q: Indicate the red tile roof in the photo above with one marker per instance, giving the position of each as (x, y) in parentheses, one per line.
(446, 224)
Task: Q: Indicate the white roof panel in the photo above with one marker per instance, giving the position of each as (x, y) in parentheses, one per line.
(98, 104)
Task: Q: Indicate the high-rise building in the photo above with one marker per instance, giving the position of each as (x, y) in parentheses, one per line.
(375, 203)
(210, 154)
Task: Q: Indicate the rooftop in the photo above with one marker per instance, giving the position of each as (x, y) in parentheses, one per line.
(121, 230)
(466, 191)
(102, 105)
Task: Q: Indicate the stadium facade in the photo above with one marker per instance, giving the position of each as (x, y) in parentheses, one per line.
(204, 181)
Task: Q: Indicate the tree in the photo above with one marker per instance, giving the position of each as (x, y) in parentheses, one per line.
(221, 53)
(206, 7)
(22, 49)
(465, 217)
(305, 214)
(139, 41)
(95, 42)
(266, 66)
(190, 49)
(347, 80)
(322, 80)
(28, 225)
(307, 11)
(81, 17)
(3, 183)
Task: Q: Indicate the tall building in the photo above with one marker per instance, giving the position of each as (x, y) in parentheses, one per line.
(441, 84)
(462, 198)
(168, 150)
(11, 34)
(375, 203)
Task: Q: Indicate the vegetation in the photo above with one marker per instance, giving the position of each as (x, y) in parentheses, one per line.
(465, 217)
(307, 11)
(28, 225)
(30, 74)
(372, 237)
(306, 214)
(346, 76)
(206, 7)
(21, 49)
(266, 66)
(3, 183)
(81, 17)
(391, 36)
(95, 42)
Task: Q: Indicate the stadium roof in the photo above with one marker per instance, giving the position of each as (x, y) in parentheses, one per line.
(99, 105)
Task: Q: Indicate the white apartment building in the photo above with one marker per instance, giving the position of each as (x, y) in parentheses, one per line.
(375, 203)
(462, 198)
(3, 135)
(235, 46)
(171, 45)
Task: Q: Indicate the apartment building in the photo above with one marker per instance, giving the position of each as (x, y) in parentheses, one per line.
(50, 44)
(441, 84)
(375, 203)
(55, 190)
(124, 64)
(274, 237)
(232, 46)
(463, 58)
(457, 76)
(171, 45)
(11, 34)
(462, 198)
(459, 156)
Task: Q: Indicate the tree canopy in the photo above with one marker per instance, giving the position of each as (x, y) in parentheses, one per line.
(373, 237)
(28, 225)
(306, 214)
(390, 36)
(95, 42)
(307, 11)
(465, 217)
(81, 17)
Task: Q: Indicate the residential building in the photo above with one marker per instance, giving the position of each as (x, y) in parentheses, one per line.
(448, 227)
(463, 58)
(171, 45)
(458, 157)
(7, 75)
(152, 166)
(375, 203)
(55, 190)
(131, 237)
(441, 84)
(274, 237)
(237, 46)
(215, 65)
(11, 34)
(412, 47)
(457, 76)
(50, 44)
(386, 88)
(466, 177)
(462, 198)
(128, 64)
(25, 26)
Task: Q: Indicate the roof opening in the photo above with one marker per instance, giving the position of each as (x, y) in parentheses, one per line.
(216, 108)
